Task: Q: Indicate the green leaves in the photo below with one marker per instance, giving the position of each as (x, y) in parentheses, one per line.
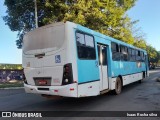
(140, 44)
(105, 16)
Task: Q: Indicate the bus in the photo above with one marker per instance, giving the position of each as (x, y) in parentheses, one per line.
(69, 60)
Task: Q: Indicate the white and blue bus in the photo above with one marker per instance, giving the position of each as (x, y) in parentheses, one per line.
(67, 59)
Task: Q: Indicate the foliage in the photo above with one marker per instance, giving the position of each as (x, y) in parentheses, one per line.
(158, 58)
(152, 53)
(11, 66)
(105, 16)
(140, 44)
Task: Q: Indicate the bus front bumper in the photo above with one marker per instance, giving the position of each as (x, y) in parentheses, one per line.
(65, 90)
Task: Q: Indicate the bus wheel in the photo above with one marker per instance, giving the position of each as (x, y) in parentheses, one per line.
(118, 86)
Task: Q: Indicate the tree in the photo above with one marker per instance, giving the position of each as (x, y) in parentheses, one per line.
(152, 53)
(140, 44)
(158, 58)
(105, 16)
(20, 16)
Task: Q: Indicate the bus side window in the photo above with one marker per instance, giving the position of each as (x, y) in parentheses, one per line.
(129, 54)
(80, 44)
(85, 46)
(115, 51)
(80, 39)
(142, 57)
(133, 56)
(138, 55)
(124, 53)
(90, 49)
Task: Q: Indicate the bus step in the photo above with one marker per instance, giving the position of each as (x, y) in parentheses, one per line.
(104, 91)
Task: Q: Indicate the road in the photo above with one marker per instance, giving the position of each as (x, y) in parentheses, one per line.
(134, 97)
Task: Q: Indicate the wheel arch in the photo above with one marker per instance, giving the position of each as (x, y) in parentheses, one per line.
(120, 76)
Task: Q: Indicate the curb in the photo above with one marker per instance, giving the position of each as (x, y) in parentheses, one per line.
(11, 88)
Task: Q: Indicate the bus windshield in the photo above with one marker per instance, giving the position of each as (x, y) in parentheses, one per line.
(43, 38)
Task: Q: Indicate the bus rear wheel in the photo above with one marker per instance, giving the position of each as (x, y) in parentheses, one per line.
(118, 86)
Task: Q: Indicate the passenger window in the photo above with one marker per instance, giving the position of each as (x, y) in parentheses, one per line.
(80, 39)
(115, 51)
(138, 55)
(85, 46)
(129, 54)
(89, 41)
(115, 47)
(133, 56)
(124, 53)
(142, 57)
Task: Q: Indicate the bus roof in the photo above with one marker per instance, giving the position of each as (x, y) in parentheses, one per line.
(108, 38)
(89, 31)
(47, 26)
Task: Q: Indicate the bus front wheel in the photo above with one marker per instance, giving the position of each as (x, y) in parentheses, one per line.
(118, 86)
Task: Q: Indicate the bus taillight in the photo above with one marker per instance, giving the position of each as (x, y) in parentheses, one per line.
(67, 74)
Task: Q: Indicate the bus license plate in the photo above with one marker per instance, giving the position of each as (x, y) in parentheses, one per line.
(42, 82)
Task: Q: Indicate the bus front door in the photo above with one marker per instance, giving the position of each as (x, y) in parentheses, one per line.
(103, 64)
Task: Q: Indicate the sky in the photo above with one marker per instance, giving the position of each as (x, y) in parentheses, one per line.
(8, 49)
(146, 11)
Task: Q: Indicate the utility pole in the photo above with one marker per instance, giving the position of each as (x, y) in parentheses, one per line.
(36, 18)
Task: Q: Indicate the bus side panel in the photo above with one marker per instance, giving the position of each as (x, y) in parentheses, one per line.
(131, 78)
(130, 71)
(88, 89)
(127, 79)
(88, 72)
(87, 69)
(126, 68)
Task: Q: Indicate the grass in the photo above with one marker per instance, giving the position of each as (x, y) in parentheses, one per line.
(8, 85)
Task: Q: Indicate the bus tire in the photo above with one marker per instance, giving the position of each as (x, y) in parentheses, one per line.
(118, 86)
